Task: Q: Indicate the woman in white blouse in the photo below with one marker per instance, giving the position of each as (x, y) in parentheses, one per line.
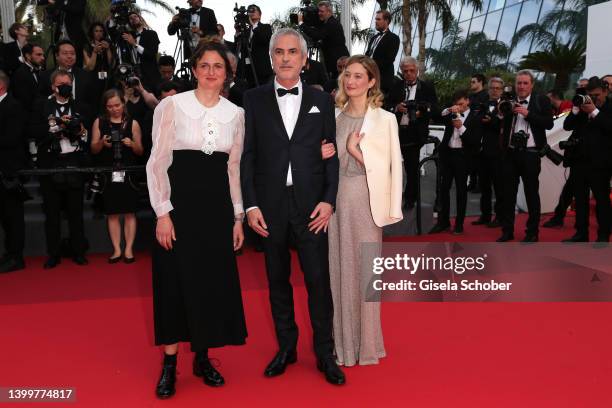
(194, 185)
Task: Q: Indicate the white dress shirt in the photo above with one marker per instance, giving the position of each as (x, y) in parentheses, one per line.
(289, 106)
(455, 141)
(3, 96)
(411, 90)
(195, 22)
(522, 124)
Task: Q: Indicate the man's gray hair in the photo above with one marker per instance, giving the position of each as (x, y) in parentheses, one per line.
(288, 31)
(326, 4)
(528, 73)
(496, 79)
(409, 61)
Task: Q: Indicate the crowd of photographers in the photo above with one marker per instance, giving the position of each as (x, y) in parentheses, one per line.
(92, 106)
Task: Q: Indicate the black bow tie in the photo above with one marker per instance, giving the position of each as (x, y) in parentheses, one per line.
(462, 115)
(524, 102)
(282, 92)
(410, 85)
(193, 11)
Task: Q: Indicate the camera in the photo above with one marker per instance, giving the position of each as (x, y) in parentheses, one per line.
(69, 128)
(116, 137)
(184, 17)
(569, 143)
(507, 100)
(120, 13)
(519, 140)
(126, 73)
(413, 107)
(242, 23)
(551, 155)
(580, 98)
(310, 13)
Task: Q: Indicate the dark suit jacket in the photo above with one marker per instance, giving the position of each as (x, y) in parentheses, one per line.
(10, 54)
(74, 12)
(384, 56)
(540, 120)
(260, 51)
(12, 135)
(491, 132)
(208, 23)
(595, 135)
(83, 86)
(470, 139)
(333, 44)
(416, 132)
(236, 92)
(148, 60)
(479, 98)
(268, 152)
(24, 87)
(315, 74)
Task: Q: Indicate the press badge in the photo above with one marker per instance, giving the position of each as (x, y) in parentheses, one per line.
(247, 61)
(118, 176)
(102, 75)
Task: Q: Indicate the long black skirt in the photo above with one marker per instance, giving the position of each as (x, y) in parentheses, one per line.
(196, 290)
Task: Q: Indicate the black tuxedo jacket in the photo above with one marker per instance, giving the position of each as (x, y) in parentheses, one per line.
(12, 135)
(74, 12)
(83, 86)
(333, 44)
(479, 98)
(540, 120)
(10, 55)
(149, 71)
(384, 56)
(260, 51)
(417, 132)
(268, 152)
(315, 74)
(208, 23)
(236, 92)
(594, 134)
(491, 132)
(470, 139)
(24, 86)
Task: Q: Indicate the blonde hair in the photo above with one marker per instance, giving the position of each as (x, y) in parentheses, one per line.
(375, 96)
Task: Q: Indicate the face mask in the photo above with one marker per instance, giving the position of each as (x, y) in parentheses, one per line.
(65, 91)
(136, 93)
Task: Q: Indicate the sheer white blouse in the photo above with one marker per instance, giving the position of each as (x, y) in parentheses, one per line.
(181, 122)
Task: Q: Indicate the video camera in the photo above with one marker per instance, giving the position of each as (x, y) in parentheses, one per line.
(310, 13)
(184, 17)
(120, 13)
(242, 23)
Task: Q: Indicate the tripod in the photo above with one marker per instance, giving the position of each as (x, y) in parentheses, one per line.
(182, 52)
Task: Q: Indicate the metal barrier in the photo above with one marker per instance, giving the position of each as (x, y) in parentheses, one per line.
(433, 157)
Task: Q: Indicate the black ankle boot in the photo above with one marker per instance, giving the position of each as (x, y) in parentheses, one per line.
(203, 368)
(165, 385)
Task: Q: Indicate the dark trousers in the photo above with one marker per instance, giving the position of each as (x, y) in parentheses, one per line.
(490, 180)
(58, 196)
(566, 197)
(13, 224)
(411, 155)
(312, 252)
(598, 181)
(453, 166)
(521, 165)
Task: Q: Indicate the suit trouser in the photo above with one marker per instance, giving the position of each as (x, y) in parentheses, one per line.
(490, 180)
(598, 181)
(58, 196)
(521, 165)
(13, 224)
(411, 156)
(312, 252)
(453, 165)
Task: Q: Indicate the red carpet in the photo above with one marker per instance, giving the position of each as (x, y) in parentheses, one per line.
(91, 328)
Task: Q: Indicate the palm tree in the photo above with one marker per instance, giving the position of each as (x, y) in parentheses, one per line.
(560, 59)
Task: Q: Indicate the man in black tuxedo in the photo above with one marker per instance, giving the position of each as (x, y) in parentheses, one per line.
(27, 77)
(591, 124)
(65, 56)
(236, 89)
(230, 45)
(253, 50)
(12, 159)
(314, 73)
(478, 98)
(383, 48)
(461, 133)
(72, 13)
(412, 133)
(12, 55)
(59, 149)
(524, 137)
(202, 23)
(288, 189)
(329, 34)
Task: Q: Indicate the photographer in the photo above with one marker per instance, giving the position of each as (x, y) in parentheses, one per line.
(72, 13)
(98, 58)
(383, 48)
(60, 124)
(478, 98)
(329, 34)
(590, 150)
(116, 139)
(523, 141)
(414, 103)
(490, 157)
(230, 45)
(167, 67)
(26, 78)
(253, 47)
(462, 132)
(198, 22)
(12, 159)
(12, 54)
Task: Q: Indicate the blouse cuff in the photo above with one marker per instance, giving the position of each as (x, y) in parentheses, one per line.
(238, 209)
(163, 209)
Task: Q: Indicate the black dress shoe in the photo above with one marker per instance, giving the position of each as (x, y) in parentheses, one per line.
(494, 224)
(505, 238)
(52, 262)
(279, 363)
(165, 385)
(332, 372)
(79, 260)
(481, 221)
(576, 238)
(553, 223)
(203, 368)
(12, 265)
(439, 228)
(529, 238)
(458, 230)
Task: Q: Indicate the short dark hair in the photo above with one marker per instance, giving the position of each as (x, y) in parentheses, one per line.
(63, 42)
(220, 49)
(480, 77)
(13, 29)
(167, 86)
(166, 60)
(557, 93)
(254, 6)
(28, 49)
(595, 83)
(460, 93)
(385, 15)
